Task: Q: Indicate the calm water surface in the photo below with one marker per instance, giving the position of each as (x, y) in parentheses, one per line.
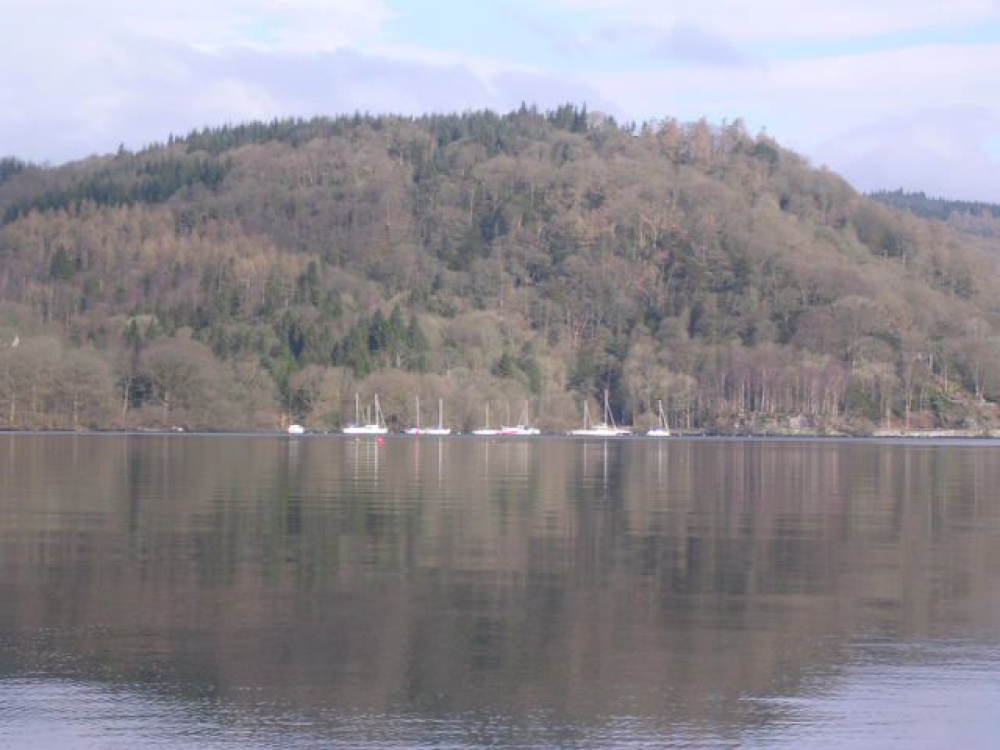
(275, 592)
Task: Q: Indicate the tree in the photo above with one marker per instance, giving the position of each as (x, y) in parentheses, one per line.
(28, 376)
(181, 371)
(84, 388)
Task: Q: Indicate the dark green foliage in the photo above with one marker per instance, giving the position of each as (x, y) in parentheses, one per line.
(308, 286)
(149, 182)
(159, 180)
(138, 388)
(62, 267)
(569, 117)
(506, 366)
(9, 167)
(378, 342)
(768, 153)
(354, 351)
(523, 368)
(292, 131)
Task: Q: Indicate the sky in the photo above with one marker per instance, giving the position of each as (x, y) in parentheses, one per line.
(888, 93)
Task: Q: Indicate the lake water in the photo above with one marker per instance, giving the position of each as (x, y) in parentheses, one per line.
(276, 592)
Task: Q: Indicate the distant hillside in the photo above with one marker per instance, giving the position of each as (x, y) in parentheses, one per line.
(252, 275)
(972, 216)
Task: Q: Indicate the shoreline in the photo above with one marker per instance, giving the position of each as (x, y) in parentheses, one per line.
(881, 434)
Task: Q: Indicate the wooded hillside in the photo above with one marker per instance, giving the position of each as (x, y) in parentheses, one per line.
(247, 276)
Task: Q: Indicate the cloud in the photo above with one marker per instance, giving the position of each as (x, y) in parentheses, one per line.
(179, 89)
(683, 43)
(944, 151)
(303, 25)
(811, 105)
(689, 43)
(790, 20)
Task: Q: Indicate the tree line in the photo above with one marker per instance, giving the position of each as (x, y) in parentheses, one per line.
(923, 205)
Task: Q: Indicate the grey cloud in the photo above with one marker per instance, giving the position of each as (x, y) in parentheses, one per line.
(686, 43)
(682, 43)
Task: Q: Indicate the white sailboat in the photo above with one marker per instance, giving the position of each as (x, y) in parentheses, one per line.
(369, 427)
(415, 429)
(522, 428)
(486, 431)
(607, 428)
(440, 429)
(661, 429)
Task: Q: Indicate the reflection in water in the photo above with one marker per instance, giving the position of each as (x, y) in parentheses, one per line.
(283, 592)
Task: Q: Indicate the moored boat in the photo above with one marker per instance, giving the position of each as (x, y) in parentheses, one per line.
(523, 428)
(486, 431)
(662, 429)
(607, 428)
(369, 427)
(440, 428)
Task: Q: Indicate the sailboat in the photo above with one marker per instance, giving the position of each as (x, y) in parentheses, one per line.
(416, 429)
(607, 428)
(440, 429)
(661, 429)
(487, 430)
(522, 428)
(368, 427)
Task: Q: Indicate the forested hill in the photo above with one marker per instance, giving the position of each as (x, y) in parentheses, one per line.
(973, 216)
(248, 276)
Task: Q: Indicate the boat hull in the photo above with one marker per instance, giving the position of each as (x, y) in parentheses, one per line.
(519, 431)
(600, 432)
(365, 429)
